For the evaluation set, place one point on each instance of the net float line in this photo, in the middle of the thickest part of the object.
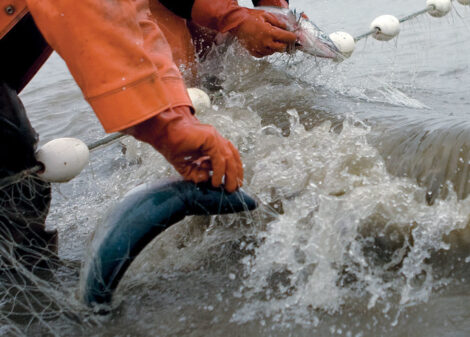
(387, 27)
(62, 159)
(59, 164)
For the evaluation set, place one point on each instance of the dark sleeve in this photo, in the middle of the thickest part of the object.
(179, 7)
(255, 2)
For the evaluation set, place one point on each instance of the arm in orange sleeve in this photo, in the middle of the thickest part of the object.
(119, 60)
(261, 33)
(122, 62)
(193, 148)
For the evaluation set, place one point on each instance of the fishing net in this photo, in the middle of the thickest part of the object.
(320, 237)
(39, 289)
(36, 287)
(34, 283)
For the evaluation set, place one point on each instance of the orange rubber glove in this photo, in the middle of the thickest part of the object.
(261, 33)
(194, 149)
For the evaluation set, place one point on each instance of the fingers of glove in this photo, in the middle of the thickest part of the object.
(225, 162)
(264, 51)
(231, 176)
(218, 168)
(283, 36)
(203, 161)
(191, 171)
(275, 20)
(197, 175)
(271, 49)
(257, 54)
(214, 147)
(277, 47)
(261, 49)
(200, 169)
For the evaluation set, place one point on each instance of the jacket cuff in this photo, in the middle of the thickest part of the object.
(177, 92)
(136, 102)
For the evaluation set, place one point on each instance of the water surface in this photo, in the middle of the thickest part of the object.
(362, 172)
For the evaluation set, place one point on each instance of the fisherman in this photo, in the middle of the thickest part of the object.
(191, 28)
(121, 54)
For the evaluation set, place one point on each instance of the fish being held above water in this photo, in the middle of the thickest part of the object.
(310, 39)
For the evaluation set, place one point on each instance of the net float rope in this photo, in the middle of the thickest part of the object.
(138, 218)
(55, 169)
(387, 27)
(62, 159)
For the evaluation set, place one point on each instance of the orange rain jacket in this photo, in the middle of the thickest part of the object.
(11, 11)
(117, 54)
(117, 51)
(23, 50)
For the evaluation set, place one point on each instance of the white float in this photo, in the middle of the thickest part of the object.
(386, 26)
(344, 42)
(63, 159)
(200, 99)
(464, 2)
(440, 7)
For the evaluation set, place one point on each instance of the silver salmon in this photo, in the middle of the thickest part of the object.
(310, 39)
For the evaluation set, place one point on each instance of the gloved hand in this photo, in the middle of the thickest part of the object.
(194, 149)
(261, 33)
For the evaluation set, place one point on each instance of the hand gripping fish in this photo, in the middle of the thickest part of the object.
(310, 39)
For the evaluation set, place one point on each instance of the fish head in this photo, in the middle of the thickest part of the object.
(310, 39)
(314, 41)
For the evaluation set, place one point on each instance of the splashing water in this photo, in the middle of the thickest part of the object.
(346, 242)
(347, 231)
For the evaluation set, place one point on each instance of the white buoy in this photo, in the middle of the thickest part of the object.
(344, 42)
(464, 2)
(440, 7)
(63, 159)
(200, 99)
(386, 26)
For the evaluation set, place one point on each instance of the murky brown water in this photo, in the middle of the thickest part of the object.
(361, 167)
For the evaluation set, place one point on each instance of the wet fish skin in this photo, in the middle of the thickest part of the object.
(310, 39)
(142, 215)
